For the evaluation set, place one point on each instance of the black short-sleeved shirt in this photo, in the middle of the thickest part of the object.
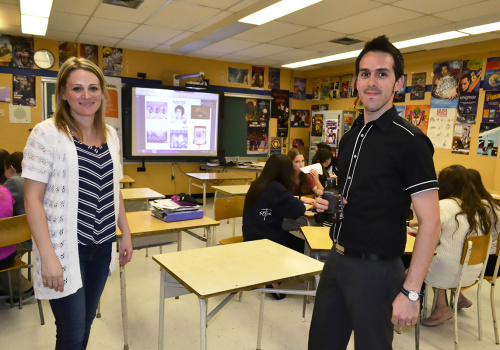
(380, 165)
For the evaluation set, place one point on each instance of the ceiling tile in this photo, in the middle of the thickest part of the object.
(307, 37)
(178, 38)
(135, 45)
(410, 26)
(206, 52)
(152, 34)
(262, 50)
(97, 40)
(325, 46)
(108, 27)
(220, 4)
(10, 15)
(234, 58)
(211, 21)
(270, 31)
(433, 6)
(471, 11)
(66, 22)
(241, 5)
(85, 8)
(63, 36)
(292, 55)
(327, 11)
(181, 16)
(10, 2)
(10, 29)
(371, 19)
(230, 45)
(124, 14)
(263, 62)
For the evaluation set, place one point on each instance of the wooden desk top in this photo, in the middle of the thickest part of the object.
(127, 179)
(247, 168)
(318, 238)
(232, 190)
(219, 176)
(235, 267)
(134, 194)
(141, 223)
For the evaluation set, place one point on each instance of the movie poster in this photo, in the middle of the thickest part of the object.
(440, 128)
(418, 81)
(461, 139)
(349, 117)
(273, 81)
(276, 143)
(317, 127)
(401, 110)
(470, 78)
(66, 50)
(334, 88)
(467, 107)
(314, 108)
(325, 90)
(418, 115)
(22, 52)
(89, 52)
(237, 76)
(400, 96)
(23, 90)
(258, 77)
(251, 109)
(323, 107)
(331, 132)
(445, 84)
(279, 110)
(492, 74)
(300, 118)
(257, 138)
(491, 109)
(488, 139)
(316, 94)
(345, 85)
(299, 88)
(112, 61)
(5, 50)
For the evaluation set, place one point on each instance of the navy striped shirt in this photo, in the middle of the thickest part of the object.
(96, 210)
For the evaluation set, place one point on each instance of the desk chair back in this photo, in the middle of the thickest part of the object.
(228, 207)
(492, 281)
(15, 230)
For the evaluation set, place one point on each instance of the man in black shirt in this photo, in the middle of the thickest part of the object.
(384, 165)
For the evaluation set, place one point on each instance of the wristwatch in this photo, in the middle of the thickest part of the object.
(410, 294)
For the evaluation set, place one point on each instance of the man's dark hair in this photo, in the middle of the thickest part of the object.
(465, 75)
(382, 44)
(323, 145)
(14, 160)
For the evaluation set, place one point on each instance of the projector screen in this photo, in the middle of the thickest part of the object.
(165, 122)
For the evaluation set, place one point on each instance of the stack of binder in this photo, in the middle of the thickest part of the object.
(169, 211)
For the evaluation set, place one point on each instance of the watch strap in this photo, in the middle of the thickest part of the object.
(406, 292)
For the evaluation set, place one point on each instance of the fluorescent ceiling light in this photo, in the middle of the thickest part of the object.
(277, 10)
(34, 25)
(337, 57)
(39, 8)
(429, 39)
(485, 28)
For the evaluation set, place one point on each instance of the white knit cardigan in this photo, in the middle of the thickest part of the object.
(50, 157)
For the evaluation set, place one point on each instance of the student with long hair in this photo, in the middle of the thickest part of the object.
(462, 214)
(3, 156)
(494, 214)
(324, 157)
(303, 184)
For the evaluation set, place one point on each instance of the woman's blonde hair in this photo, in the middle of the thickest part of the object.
(62, 116)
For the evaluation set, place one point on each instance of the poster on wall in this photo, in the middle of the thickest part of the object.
(5, 94)
(491, 109)
(300, 118)
(5, 50)
(331, 129)
(314, 108)
(299, 88)
(251, 109)
(66, 50)
(400, 96)
(317, 127)
(276, 143)
(263, 109)
(237, 76)
(401, 110)
(279, 110)
(22, 52)
(257, 110)
(112, 59)
(445, 84)
(470, 78)
(461, 139)
(488, 139)
(418, 115)
(325, 89)
(440, 129)
(323, 107)
(418, 86)
(89, 52)
(492, 74)
(316, 94)
(257, 138)
(23, 90)
(258, 77)
(349, 117)
(273, 81)
(467, 107)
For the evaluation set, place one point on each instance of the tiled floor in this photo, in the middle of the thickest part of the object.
(235, 327)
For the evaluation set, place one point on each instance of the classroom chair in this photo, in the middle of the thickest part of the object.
(15, 230)
(492, 281)
(475, 252)
(229, 208)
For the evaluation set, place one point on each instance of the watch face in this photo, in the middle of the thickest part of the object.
(413, 296)
(44, 59)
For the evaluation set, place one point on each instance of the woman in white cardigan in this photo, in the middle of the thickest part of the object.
(71, 168)
(462, 214)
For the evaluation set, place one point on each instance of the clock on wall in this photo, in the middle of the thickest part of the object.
(44, 59)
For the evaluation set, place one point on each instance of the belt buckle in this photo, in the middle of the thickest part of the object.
(339, 249)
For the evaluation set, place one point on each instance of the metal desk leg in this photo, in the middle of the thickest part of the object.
(261, 317)
(123, 291)
(203, 324)
(162, 310)
(210, 236)
(204, 197)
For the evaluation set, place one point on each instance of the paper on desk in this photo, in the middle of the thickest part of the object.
(316, 166)
(260, 164)
(169, 204)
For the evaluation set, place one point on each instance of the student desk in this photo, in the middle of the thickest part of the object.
(204, 178)
(127, 180)
(140, 194)
(231, 190)
(148, 231)
(245, 168)
(231, 268)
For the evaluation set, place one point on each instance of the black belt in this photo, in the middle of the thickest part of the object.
(363, 256)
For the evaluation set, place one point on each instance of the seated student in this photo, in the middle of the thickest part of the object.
(3, 156)
(303, 184)
(14, 182)
(324, 157)
(324, 145)
(462, 214)
(493, 213)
